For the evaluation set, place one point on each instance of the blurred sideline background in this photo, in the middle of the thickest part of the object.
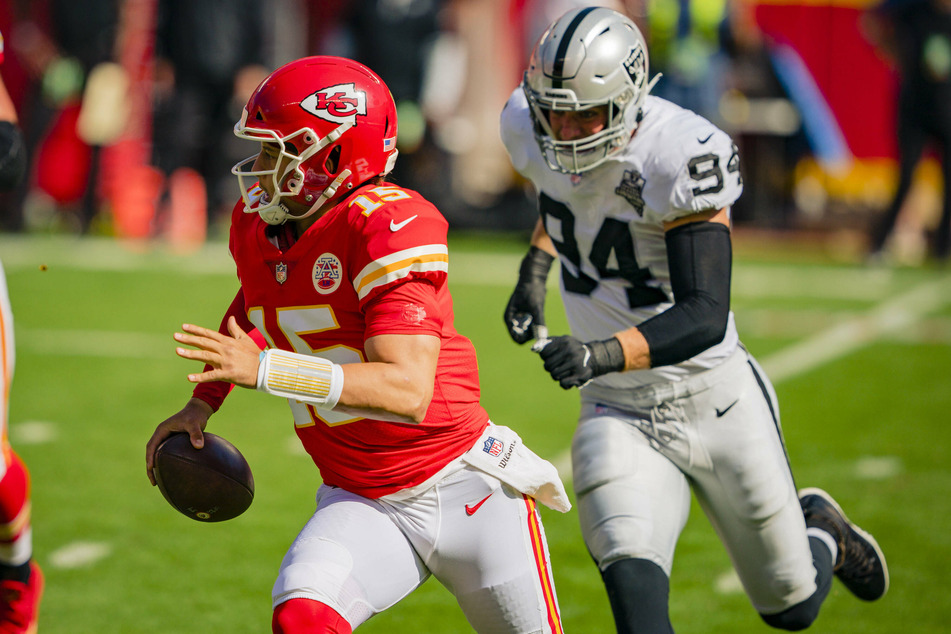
(128, 107)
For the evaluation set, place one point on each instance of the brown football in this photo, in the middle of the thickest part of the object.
(211, 484)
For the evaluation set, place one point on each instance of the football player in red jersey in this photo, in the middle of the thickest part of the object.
(344, 286)
(21, 580)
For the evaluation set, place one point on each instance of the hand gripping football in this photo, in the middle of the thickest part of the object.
(211, 484)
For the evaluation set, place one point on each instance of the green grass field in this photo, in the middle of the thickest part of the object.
(861, 359)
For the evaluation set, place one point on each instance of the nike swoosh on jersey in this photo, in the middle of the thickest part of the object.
(470, 510)
(721, 412)
(396, 226)
(702, 141)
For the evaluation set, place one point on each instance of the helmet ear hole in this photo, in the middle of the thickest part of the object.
(333, 160)
(390, 127)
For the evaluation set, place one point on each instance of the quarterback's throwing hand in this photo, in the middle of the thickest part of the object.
(574, 364)
(232, 358)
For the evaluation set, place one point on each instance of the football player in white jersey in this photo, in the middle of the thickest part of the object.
(634, 197)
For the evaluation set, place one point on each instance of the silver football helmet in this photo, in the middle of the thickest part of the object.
(587, 58)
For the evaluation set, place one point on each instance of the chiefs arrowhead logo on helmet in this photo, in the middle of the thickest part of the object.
(337, 104)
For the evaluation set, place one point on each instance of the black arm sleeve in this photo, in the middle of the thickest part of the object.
(12, 156)
(700, 257)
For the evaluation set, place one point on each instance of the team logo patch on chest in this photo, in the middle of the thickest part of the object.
(327, 273)
(631, 189)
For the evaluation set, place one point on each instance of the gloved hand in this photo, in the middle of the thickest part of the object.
(525, 312)
(574, 364)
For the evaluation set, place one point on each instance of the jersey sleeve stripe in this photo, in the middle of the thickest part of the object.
(432, 257)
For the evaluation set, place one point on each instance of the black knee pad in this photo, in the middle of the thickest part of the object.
(639, 592)
(801, 615)
(798, 617)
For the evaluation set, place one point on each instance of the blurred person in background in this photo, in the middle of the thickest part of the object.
(916, 35)
(396, 38)
(210, 55)
(634, 197)
(685, 41)
(21, 580)
(60, 42)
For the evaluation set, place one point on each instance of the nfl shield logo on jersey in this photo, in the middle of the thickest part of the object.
(327, 273)
(493, 446)
(280, 273)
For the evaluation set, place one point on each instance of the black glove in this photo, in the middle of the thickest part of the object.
(525, 312)
(573, 363)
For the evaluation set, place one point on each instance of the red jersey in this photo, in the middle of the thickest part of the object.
(375, 264)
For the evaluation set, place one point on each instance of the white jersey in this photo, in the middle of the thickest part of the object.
(608, 224)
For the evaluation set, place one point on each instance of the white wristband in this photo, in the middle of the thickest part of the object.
(313, 380)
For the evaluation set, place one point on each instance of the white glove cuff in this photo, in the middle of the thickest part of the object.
(309, 379)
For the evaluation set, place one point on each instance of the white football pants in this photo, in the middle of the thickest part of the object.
(480, 538)
(718, 434)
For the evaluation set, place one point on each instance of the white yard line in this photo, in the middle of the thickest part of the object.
(839, 340)
(79, 554)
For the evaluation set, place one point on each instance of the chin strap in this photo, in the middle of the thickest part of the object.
(331, 190)
(327, 194)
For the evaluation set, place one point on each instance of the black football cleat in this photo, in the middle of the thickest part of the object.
(860, 564)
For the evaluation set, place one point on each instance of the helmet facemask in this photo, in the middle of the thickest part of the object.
(578, 155)
(292, 176)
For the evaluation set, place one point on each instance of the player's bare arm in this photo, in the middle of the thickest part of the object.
(396, 384)
(721, 216)
(540, 239)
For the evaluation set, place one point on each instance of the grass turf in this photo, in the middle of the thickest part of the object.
(96, 371)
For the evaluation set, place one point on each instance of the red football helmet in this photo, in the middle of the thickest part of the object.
(334, 121)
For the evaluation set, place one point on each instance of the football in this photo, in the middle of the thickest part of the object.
(211, 484)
